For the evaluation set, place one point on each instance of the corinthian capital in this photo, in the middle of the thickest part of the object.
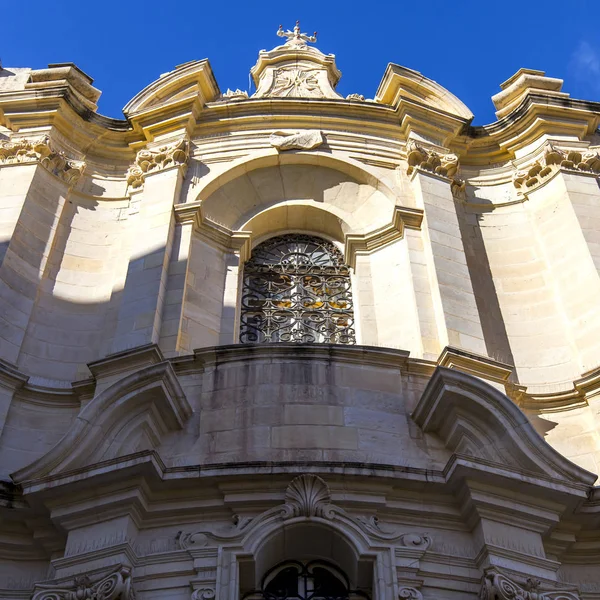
(418, 157)
(40, 150)
(154, 160)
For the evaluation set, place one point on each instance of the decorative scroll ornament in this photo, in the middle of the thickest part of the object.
(496, 586)
(409, 593)
(302, 140)
(295, 39)
(116, 586)
(307, 496)
(445, 165)
(56, 162)
(553, 160)
(204, 594)
(297, 289)
(149, 161)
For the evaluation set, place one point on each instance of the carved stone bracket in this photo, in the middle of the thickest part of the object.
(553, 160)
(302, 140)
(40, 150)
(152, 161)
(116, 586)
(496, 586)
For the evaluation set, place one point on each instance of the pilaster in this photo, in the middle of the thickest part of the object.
(457, 318)
(157, 177)
(48, 177)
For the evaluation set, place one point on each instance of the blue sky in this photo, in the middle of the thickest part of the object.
(469, 47)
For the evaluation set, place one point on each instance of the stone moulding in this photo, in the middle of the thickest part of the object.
(496, 586)
(553, 160)
(150, 161)
(116, 586)
(24, 151)
(356, 244)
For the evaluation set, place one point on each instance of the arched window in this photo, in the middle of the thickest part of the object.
(314, 580)
(297, 289)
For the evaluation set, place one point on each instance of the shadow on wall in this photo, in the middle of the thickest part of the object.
(486, 298)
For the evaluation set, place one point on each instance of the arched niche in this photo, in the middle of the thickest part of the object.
(308, 541)
(361, 205)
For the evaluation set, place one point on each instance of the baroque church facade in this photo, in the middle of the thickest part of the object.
(291, 345)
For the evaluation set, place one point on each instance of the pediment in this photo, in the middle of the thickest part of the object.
(472, 417)
(131, 415)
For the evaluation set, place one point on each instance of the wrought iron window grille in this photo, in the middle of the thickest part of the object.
(296, 288)
(314, 580)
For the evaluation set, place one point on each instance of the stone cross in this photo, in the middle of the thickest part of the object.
(295, 38)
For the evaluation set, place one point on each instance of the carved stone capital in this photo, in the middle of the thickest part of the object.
(418, 157)
(157, 159)
(553, 160)
(496, 586)
(115, 586)
(40, 150)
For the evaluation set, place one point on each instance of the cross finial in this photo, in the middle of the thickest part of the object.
(295, 38)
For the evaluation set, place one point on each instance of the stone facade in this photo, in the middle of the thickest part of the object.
(450, 453)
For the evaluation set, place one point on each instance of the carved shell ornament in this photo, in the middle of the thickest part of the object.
(307, 496)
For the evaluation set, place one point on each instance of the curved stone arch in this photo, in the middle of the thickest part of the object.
(271, 158)
(244, 549)
(149, 403)
(296, 217)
